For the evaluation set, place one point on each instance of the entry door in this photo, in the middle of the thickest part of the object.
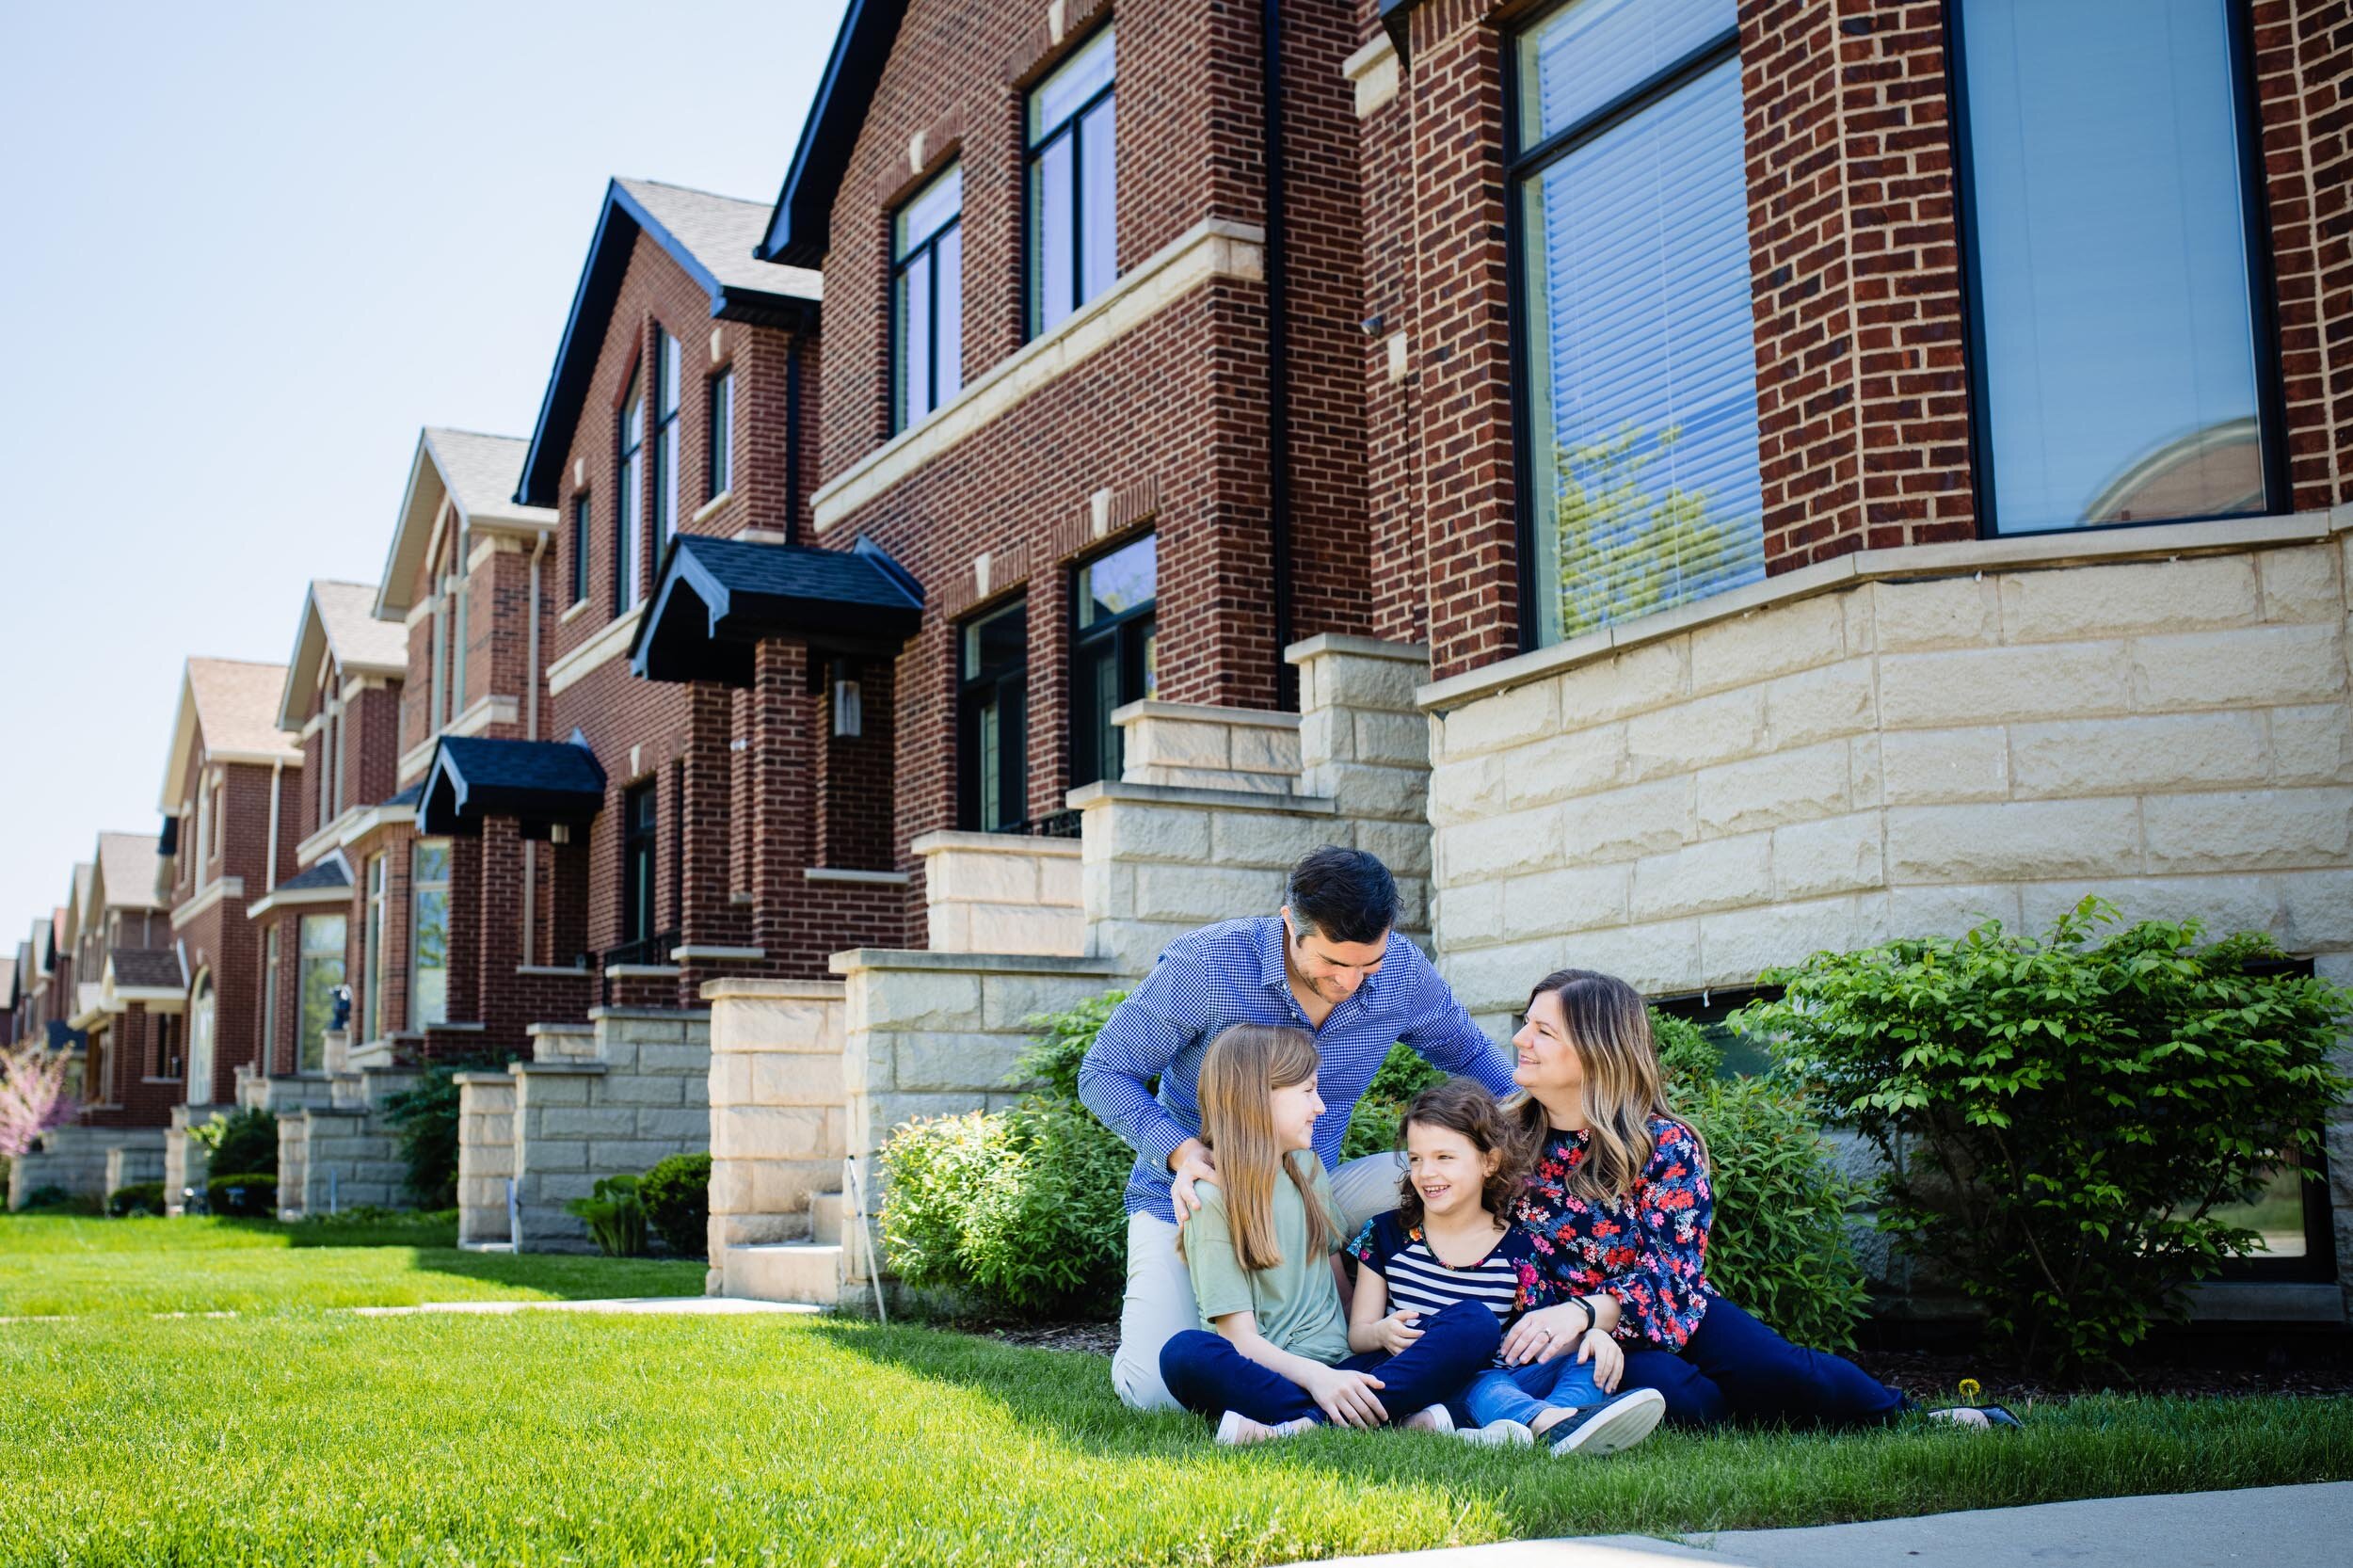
(201, 1044)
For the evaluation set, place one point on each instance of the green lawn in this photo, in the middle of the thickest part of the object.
(59, 1265)
(301, 1437)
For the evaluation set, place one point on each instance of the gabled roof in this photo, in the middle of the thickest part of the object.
(476, 474)
(228, 707)
(145, 970)
(127, 866)
(40, 949)
(85, 873)
(715, 599)
(799, 227)
(339, 623)
(712, 239)
(541, 782)
(8, 984)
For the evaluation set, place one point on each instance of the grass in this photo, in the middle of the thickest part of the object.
(59, 1265)
(299, 1436)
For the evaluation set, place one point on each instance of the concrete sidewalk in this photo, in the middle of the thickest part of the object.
(2297, 1525)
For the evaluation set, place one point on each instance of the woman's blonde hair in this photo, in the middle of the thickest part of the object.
(1242, 1068)
(1609, 1028)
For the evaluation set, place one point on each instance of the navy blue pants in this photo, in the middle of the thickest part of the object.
(1735, 1368)
(1207, 1374)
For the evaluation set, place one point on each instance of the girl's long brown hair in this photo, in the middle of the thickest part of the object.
(1464, 1105)
(1610, 1030)
(1239, 1073)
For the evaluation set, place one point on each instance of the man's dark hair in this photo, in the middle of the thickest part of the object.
(1343, 895)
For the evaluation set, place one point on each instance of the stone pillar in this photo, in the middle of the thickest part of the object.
(1192, 746)
(1003, 892)
(1365, 745)
(776, 1110)
(486, 1157)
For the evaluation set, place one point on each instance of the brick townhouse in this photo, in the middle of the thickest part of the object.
(127, 980)
(231, 787)
(8, 997)
(1057, 400)
(679, 418)
(472, 575)
(341, 910)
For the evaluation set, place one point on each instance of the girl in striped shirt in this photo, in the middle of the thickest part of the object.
(1451, 1240)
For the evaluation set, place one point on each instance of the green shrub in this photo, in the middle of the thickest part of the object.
(616, 1220)
(1052, 1060)
(139, 1197)
(426, 1119)
(51, 1198)
(677, 1198)
(251, 1194)
(1372, 1125)
(244, 1140)
(2061, 1116)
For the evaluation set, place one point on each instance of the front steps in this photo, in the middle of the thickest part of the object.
(811, 1272)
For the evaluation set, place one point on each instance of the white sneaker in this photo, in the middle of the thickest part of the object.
(1612, 1425)
(1235, 1428)
(1430, 1418)
(1499, 1435)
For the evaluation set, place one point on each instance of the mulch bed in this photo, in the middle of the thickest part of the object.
(1928, 1376)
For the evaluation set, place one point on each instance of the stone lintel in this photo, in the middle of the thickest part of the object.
(918, 959)
(773, 990)
(1122, 792)
(952, 841)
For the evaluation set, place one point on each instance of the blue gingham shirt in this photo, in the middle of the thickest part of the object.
(1232, 973)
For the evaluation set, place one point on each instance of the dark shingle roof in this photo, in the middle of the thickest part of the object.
(143, 969)
(328, 872)
(798, 228)
(537, 781)
(718, 597)
(409, 796)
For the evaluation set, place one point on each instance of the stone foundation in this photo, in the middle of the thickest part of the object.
(84, 1161)
(1003, 892)
(486, 1158)
(186, 1163)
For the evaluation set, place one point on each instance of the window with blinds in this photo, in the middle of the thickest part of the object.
(1637, 336)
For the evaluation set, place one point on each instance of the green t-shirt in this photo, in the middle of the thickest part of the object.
(1297, 1302)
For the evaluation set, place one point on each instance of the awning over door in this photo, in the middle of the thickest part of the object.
(717, 599)
(543, 783)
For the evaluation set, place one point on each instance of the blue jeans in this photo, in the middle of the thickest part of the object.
(1523, 1393)
(1209, 1375)
(1734, 1367)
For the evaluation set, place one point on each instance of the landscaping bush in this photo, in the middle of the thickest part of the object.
(427, 1117)
(1372, 1126)
(251, 1194)
(676, 1195)
(241, 1141)
(139, 1197)
(51, 1198)
(616, 1220)
(2061, 1116)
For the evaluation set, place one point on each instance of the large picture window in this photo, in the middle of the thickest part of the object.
(1113, 654)
(927, 298)
(319, 972)
(992, 775)
(2114, 270)
(1073, 194)
(628, 498)
(1637, 421)
(428, 933)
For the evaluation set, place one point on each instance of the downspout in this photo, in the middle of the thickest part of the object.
(1277, 355)
(531, 732)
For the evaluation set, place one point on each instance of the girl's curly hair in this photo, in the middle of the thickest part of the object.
(1464, 1105)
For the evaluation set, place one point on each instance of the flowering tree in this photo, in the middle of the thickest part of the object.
(33, 1097)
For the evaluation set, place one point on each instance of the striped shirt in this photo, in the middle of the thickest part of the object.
(1506, 1282)
(1233, 974)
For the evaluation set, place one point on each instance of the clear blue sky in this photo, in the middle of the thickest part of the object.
(251, 248)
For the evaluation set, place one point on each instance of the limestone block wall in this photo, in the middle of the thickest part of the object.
(485, 1156)
(78, 1159)
(779, 1109)
(342, 1159)
(1846, 754)
(1190, 745)
(1001, 892)
(185, 1160)
(645, 1096)
(137, 1158)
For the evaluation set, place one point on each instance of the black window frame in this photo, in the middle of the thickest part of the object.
(1128, 633)
(928, 246)
(719, 434)
(641, 832)
(1009, 685)
(629, 463)
(1033, 238)
(1521, 164)
(666, 438)
(2262, 289)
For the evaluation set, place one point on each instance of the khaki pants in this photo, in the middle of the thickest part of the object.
(1159, 1303)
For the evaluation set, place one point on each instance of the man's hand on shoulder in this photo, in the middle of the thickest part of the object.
(1188, 1162)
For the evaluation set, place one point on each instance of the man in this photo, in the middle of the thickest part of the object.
(1331, 963)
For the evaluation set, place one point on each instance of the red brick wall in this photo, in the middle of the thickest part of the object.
(2304, 85)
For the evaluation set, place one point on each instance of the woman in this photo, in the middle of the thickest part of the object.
(1620, 1204)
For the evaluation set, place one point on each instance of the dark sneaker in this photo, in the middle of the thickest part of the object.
(1612, 1425)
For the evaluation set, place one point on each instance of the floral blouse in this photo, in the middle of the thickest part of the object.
(1650, 1251)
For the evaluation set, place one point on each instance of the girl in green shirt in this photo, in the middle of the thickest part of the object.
(1270, 1358)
